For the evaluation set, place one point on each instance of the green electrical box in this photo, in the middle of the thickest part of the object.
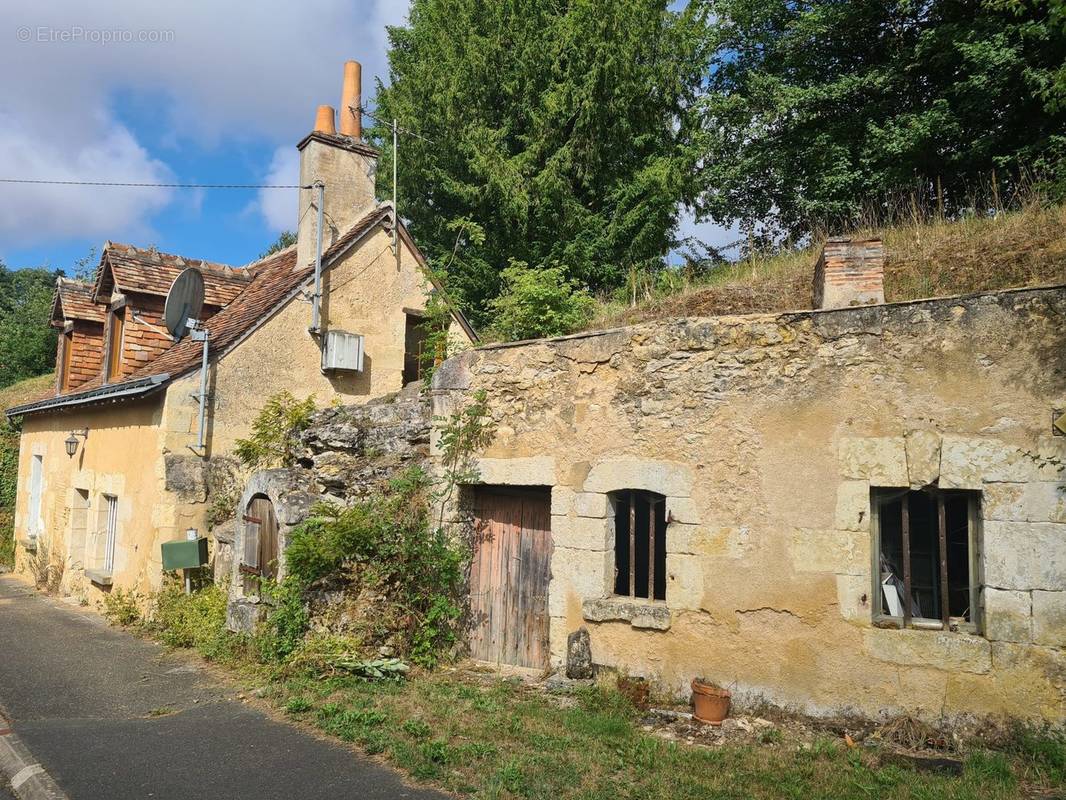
(184, 554)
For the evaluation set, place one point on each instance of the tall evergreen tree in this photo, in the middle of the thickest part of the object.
(27, 342)
(554, 134)
(817, 107)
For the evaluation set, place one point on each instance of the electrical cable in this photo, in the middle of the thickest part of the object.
(159, 185)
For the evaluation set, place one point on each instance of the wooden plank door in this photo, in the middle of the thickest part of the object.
(260, 556)
(509, 576)
(268, 536)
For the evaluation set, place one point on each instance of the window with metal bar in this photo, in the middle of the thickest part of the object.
(926, 564)
(110, 532)
(640, 544)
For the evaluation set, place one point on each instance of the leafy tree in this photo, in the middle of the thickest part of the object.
(557, 129)
(285, 239)
(814, 108)
(27, 342)
(538, 302)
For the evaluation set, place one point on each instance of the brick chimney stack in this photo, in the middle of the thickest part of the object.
(340, 160)
(850, 272)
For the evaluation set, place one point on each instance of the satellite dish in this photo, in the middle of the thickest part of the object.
(185, 301)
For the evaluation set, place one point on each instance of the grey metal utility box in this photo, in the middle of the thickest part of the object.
(342, 351)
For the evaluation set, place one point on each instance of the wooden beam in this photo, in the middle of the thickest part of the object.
(942, 525)
(906, 528)
(632, 544)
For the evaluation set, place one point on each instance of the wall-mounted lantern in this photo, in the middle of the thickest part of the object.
(72, 441)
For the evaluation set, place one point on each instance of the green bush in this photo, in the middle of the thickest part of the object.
(196, 620)
(7, 538)
(122, 607)
(271, 441)
(389, 542)
(539, 302)
(283, 632)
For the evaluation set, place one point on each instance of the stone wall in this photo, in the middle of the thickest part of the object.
(766, 434)
(345, 454)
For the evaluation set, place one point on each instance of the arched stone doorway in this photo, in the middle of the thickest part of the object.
(259, 555)
(274, 501)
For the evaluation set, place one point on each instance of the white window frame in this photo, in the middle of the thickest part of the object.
(110, 532)
(36, 495)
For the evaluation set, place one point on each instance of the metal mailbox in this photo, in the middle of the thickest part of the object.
(185, 554)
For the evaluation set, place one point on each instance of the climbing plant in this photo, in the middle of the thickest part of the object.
(272, 442)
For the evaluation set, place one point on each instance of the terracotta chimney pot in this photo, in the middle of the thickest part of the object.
(324, 120)
(351, 100)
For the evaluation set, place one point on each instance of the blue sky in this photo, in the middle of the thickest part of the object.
(191, 93)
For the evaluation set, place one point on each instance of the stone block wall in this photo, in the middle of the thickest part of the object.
(766, 434)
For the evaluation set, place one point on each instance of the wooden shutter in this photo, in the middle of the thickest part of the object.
(114, 357)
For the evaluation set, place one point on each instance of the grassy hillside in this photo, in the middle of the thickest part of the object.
(1026, 247)
(12, 395)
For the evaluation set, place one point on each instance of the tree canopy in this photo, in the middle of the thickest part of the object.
(815, 110)
(27, 342)
(554, 134)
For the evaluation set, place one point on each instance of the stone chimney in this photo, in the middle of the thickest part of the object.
(850, 272)
(343, 163)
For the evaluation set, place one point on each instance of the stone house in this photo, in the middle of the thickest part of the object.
(145, 459)
(858, 508)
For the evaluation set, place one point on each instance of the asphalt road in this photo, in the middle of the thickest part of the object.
(109, 715)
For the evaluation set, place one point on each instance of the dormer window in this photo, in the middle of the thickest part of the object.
(116, 325)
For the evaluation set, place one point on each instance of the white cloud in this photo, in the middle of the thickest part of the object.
(217, 71)
(279, 206)
(39, 212)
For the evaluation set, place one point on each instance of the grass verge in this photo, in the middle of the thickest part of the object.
(492, 738)
(499, 739)
(930, 258)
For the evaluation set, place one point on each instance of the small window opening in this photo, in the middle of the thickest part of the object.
(416, 336)
(114, 341)
(927, 552)
(640, 544)
(110, 510)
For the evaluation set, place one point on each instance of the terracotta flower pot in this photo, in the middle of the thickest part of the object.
(711, 702)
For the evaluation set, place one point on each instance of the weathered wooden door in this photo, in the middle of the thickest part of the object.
(260, 556)
(509, 576)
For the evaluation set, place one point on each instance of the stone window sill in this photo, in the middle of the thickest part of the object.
(653, 615)
(99, 576)
(923, 624)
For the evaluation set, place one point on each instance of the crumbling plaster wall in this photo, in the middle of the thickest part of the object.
(766, 433)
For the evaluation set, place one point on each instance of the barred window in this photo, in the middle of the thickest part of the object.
(640, 544)
(928, 570)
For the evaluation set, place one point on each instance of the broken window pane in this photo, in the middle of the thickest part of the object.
(640, 543)
(909, 537)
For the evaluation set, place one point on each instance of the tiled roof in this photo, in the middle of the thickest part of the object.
(270, 282)
(74, 300)
(136, 269)
(276, 277)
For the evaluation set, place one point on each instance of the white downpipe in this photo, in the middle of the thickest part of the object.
(199, 334)
(317, 297)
